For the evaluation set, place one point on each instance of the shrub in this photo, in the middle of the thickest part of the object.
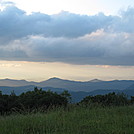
(110, 99)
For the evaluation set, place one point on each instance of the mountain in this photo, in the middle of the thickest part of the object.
(129, 91)
(86, 86)
(17, 90)
(15, 83)
(76, 95)
(95, 80)
(130, 87)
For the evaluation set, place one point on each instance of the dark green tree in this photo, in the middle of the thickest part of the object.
(67, 95)
(110, 99)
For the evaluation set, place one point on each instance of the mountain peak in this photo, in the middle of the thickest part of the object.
(95, 80)
(54, 78)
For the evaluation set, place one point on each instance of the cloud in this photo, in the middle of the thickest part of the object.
(9, 65)
(6, 3)
(98, 48)
(125, 22)
(15, 23)
(67, 37)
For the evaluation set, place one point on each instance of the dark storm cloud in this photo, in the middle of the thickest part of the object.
(99, 48)
(67, 37)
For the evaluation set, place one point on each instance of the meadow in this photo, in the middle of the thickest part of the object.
(72, 120)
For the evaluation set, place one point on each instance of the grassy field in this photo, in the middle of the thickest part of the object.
(76, 120)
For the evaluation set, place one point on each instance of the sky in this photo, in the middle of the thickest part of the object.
(69, 39)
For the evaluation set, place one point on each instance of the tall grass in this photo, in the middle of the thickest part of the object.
(75, 120)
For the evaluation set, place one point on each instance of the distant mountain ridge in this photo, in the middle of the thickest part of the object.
(76, 95)
(86, 86)
(15, 83)
(95, 80)
(78, 89)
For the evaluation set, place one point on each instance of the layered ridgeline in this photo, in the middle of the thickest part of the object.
(78, 89)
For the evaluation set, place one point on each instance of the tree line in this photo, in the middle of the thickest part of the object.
(110, 99)
(32, 100)
(39, 99)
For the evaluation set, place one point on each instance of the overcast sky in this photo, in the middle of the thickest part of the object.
(83, 33)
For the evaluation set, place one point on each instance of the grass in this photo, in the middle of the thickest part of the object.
(76, 120)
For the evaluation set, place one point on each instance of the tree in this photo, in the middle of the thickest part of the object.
(67, 95)
(12, 93)
(41, 99)
(0, 93)
(31, 100)
(110, 99)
